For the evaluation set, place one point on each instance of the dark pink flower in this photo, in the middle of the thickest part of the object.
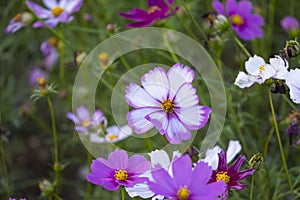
(118, 170)
(246, 24)
(157, 10)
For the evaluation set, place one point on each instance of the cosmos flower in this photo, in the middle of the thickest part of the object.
(289, 23)
(292, 80)
(113, 134)
(157, 157)
(49, 51)
(56, 12)
(185, 182)
(231, 175)
(280, 66)
(36, 73)
(118, 170)
(168, 102)
(246, 24)
(84, 123)
(212, 158)
(157, 10)
(20, 20)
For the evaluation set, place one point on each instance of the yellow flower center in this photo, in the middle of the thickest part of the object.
(56, 11)
(183, 193)
(152, 9)
(41, 82)
(261, 69)
(103, 58)
(85, 123)
(237, 20)
(112, 137)
(53, 41)
(18, 17)
(121, 175)
(167, 105)
(222, 176)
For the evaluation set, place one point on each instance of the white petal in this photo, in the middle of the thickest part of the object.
(95, 138)
(50, 4)
(138, 97)
(179, 74)
(136, 119)
(211, 157)
(159, 157)
(141, 190)
(156, 83)
(267, 72)
(292, 80)
(243, 80)
(186, 96)
(159, 120)
(280, 65)
(234, 147)
(176, 132)
(253, 64)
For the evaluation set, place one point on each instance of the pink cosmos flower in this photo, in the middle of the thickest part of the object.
(36, 73)
(56, 12)
(246, 24)
(118, 170)
(50, 53)
(20, 20)
(157, 10)
(168, 102)
(289, 23)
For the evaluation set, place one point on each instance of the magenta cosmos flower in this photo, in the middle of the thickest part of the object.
(231, 175)
(168, 102)
(289, 23)
(118, 170)
(157, 10)
(246, 24)
(84, 122)
(56, 12)
(186, 183)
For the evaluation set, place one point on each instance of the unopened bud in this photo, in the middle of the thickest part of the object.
(256, 161)
(46, 187)
(110, 28)
(103, 58)
(292, 49)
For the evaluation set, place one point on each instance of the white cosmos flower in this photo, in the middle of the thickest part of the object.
(157, 157)
(292, 80)
(244, 80)
(114, 134)
(280, 66)
(212, 159)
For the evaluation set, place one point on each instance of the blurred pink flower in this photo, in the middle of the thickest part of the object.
(34, 74)
(20, 20)
(289, 23)
(50, 53)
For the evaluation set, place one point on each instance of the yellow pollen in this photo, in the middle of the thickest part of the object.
(261, 68)
(18, 17)
(121, 175)
(152, 9)
(53, 41)
(183, 193)
(85, 123)
(167, 105)
(112, 137)
(56, 11)
(222, 176)
(237, 20)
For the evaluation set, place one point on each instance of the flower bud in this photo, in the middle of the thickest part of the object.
(46, 187)
(292, 49)
(193, 152)
(256, 161)
(110, 28)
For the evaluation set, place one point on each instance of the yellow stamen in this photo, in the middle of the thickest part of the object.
(222, 176)
(183, 193)
(167, 105)
(261, 68)
(112, 137)
(53, 41)
(56, 11)
(41, 82)
(152, 9)
(18, 17)
(121, 175)
(85, 123)
(237, 20)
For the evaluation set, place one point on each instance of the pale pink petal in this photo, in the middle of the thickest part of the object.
(176, 132)
(160, 120)
(118, 159)
(186, 96)
(136, 119)
(38, 10)
(50, 3)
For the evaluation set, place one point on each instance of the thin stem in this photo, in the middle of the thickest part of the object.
(122, 192)
(61, 48)
(252, 187)
(280, 144)
(266, 146)
(170, 50)
(56, 161)
(3, 160)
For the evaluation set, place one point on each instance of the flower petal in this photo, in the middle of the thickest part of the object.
(176, 132)
(222, 166)
(253, 64)
(186, 96)
(73, 5)
(236, 165)
(139, 189)
(83, 113)
(211, 157)
(138, 164)
(210, 190)
(159, 157)
(38, 10)
(200, 177)
(233, 149)
(118, 159)
(50, 4)
(182, 171)
(243, 80)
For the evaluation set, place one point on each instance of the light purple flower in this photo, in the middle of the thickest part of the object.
(157, 10)
(168, 102)
(246, 24)
(56, 12)
(113, 134)
(11, 198)
(231, 175)
(118, 170)
(84, 122)
(185, 182)
(289, 23)
(50, 53)
(36, 73)
(20, 20)
(292, 80)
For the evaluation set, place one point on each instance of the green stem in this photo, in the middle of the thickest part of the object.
(89, 185)
(3, 160)
(122, 192)
(170, 50)
(252, 187)
(56, 161)
(266, 146)
(280, 144)
(61, 48)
